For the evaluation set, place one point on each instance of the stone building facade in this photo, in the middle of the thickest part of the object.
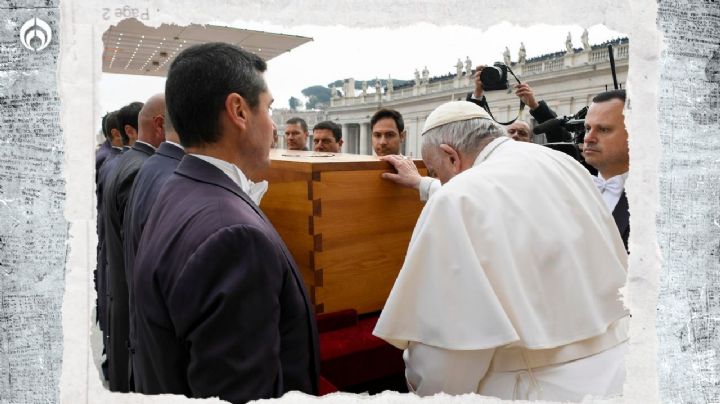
(566, 80)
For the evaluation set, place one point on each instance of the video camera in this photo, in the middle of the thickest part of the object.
(575, 124)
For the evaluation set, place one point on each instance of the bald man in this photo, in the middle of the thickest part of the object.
(520, 131)
(149, 136)
(146, 187)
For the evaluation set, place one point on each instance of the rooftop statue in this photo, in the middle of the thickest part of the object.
(585, 41)
(521, 53)
(568, 44)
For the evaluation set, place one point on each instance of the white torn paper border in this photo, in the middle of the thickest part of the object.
(83, 23)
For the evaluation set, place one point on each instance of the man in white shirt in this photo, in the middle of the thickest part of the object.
(472, 312)
(606, 149)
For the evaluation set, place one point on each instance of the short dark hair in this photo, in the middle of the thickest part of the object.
(335, 128)
(298, 121)
(111, 122)
(102, 126)
(610, 95)
(199, 81)
(128, 115)
(388, 113)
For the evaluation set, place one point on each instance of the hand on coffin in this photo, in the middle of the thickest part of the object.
(407, 174)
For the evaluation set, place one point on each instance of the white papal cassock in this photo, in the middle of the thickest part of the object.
(510, 284)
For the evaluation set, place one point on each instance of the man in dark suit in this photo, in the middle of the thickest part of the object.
(115, 196)
(148, 182)
(542, 112)
(606, 149)
(112, 144)
(111, 128)
(538, 109)
(220, 306)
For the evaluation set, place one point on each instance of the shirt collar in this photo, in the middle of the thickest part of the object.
(178, 145)
(147, 144)
(253, 190)
(490, 148)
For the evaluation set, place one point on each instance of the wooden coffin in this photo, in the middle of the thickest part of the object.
(346, 227)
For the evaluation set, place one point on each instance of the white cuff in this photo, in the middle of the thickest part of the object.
(427, 187)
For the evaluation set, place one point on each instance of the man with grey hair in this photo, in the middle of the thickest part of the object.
(473, 313)
(520, 131)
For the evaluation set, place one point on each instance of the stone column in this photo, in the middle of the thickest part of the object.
(364, 139)
(345, 137)
(412, 139)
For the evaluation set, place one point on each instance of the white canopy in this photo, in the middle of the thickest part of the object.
(131, 47)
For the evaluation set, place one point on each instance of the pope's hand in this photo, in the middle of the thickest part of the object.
(407, 174)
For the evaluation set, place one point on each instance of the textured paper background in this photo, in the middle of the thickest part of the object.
(33, 230)
(671, 100)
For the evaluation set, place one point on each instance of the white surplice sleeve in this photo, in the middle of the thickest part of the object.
(430, 370)
(427, 187)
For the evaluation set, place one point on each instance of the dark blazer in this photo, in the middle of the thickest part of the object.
(220, 306)
(115, 197)
(101, 178)
(543, 113)
(621, 214)
(102, 153)
(148, 182)
(482, 102)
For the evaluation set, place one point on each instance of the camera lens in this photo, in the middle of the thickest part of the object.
(490, 75)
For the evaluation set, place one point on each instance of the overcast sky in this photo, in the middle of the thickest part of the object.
(338, 53)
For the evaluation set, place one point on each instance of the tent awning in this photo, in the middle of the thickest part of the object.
(131, 47)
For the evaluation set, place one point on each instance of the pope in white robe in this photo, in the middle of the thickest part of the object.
(510, 286)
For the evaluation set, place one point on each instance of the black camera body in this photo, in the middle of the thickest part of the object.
(577, 128)
(494, 77)
(576, 125)
(573, 124)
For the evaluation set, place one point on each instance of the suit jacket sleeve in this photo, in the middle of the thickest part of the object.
(543, 113)
(225, 308)
(482, 102)
(122, 198)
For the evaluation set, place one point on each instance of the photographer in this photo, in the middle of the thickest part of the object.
(541, 112)
(477, 96)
